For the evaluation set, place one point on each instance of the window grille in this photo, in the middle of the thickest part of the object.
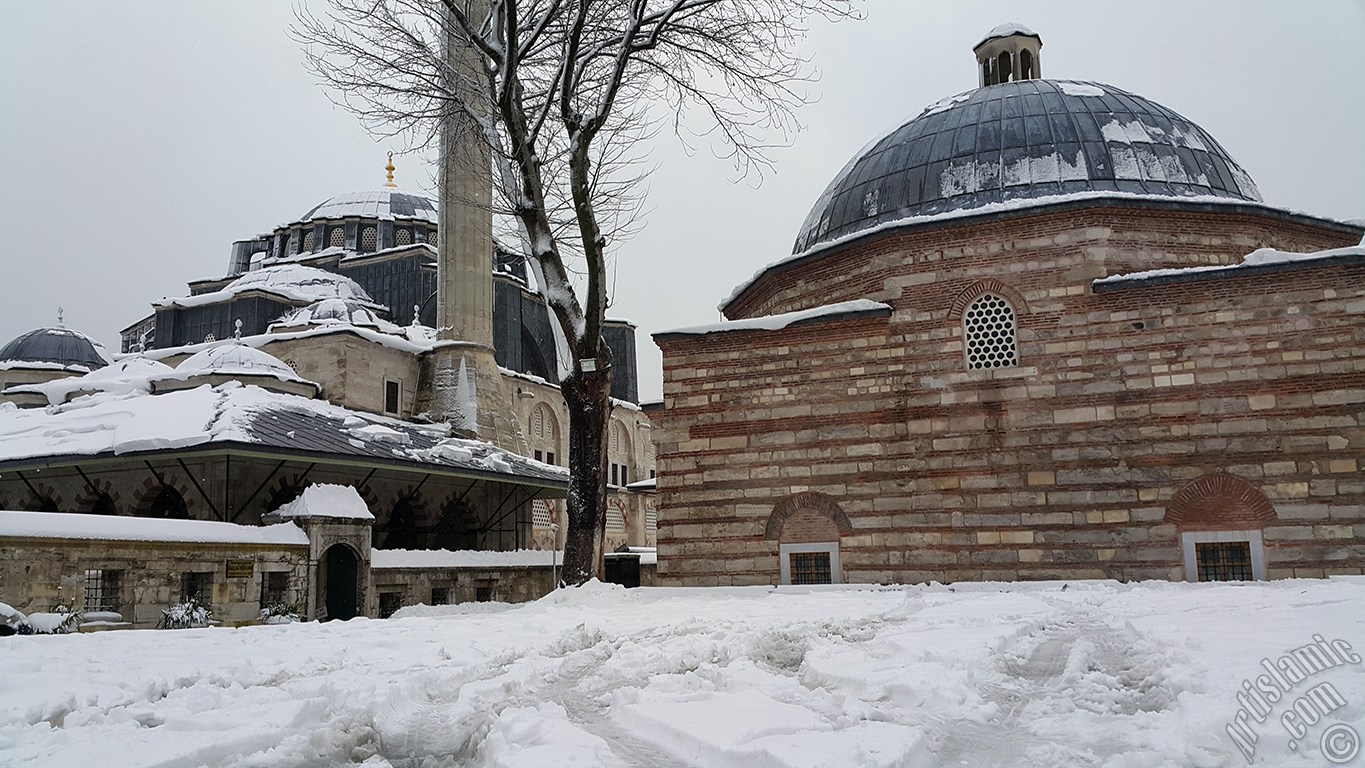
(616, 521)
(389, 603)
(811, 568)
(431, 237)
(651, 519)
(101, 590)
(540, 514)
(1224, 561)
(197, 587)
(402, 237)
(368, 237)
(274, 588)
(308, 241)
(988, 328)
(338, 237)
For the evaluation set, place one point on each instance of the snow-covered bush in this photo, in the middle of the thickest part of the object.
(280, 613)
(13, 621)
(186, 615)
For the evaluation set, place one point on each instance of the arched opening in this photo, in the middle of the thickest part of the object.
(618, 454)
(44, 504)
(990, 333)
(1025, 65)
(807, 527)
(986, 73)
(169, 504)
(1005, 67)
(340, 577)
(1220, 518)
(402, 530)
(103, 505)
(544, 435)
(456, 529)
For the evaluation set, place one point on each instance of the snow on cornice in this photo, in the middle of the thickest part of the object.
(292, 282)
(783, 320)
(1263, 257)
(64, 525)
(1004, 207)
(444, 558)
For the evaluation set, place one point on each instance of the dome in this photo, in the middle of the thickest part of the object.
(300, 283)
(384, 203)
(1021, 141)
(55, 347)
(336, 312)
(236, 360)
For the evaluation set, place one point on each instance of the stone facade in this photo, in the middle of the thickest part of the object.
(1113, 437)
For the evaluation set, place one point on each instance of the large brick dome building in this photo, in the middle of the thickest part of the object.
(1046, 329)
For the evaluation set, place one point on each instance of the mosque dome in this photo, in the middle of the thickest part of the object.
(335, 312)
(300, 283)
(55, 348)
(236, 360)
(385, 203)
(1023, 142)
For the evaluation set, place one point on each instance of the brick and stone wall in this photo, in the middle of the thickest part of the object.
(1068, 465)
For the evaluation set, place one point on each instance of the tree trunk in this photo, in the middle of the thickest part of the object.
(588, 397)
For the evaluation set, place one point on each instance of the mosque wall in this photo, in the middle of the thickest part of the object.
(1136, 421)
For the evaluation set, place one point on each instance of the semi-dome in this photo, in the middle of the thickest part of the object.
(384, 203)
(55, 348)
(1019, 142)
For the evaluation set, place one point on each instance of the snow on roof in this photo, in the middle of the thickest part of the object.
(1005, 30)
(233, 359)
(783, 320)
(327, 500)
(237, 413)
(465, 558)
(1019, 204)
(1258, 258)
(412, 339)
(642, 485)
(130, 374)
(62, 525)
(336, 312)
(293, 282)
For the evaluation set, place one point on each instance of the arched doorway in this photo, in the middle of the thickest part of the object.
(339, 576)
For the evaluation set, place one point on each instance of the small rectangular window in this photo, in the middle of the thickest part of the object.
(102, 590)
(483, 594)
(614, 474)
(1224, 561)
(391, 392)
(540, 456)
(810, 568)
(440, 595)
(389, 603)
(625, 475)
(549, 457)
(196, 586)
(274, 588)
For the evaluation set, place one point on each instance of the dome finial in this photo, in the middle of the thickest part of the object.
(60, 324)
(390, 170)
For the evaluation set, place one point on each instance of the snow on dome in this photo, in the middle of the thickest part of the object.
(385, 203)
(1020, 141)
(234, 359)
(326, 500)
(55, 348)
(131, 374)
(336, 312)
(1005, 30)
(294, 282)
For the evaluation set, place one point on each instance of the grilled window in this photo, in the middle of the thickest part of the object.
(338, 237)
(402, 237)
(274, 588)
(196, 586)
(811, 568)
(389, 603)
(102, 590)
(391, 400)
(368, 237)
(989, 331)
(1224, 561)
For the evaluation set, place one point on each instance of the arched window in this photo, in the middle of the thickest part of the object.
(618, 453)
(989, 333)
(402, 237)
(368, 238)
(1025, 65)
(544, 429)
(431, 237)
(402, 531)
(104, 505)
(169, 504)
(616, 516)
(308, 241)
(338, 237)
(1006, 67)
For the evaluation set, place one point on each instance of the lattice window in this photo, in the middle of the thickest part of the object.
(402, 237)
(540, 514)
(308, 240)
(197, 587)
(811, 568)
(616, 520)
(1224, 561)
(368, 238)
(338, 237)
(431, 237)
(989, 330)
(651, 518)
(102, 590)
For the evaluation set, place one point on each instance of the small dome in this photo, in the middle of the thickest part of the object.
(55, 347)
(235, 360)
(300, 283)
(1018, 141)
(336, 312)
(384, 203)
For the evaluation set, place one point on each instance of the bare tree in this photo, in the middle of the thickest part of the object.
(559, 94)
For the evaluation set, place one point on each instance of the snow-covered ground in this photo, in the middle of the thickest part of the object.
(1090, 674)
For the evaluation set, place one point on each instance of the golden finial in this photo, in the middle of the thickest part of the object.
(390, 169)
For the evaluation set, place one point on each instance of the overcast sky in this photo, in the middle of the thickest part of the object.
(139, 139)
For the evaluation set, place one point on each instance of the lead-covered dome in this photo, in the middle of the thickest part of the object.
(55, 348)
(1023, 141)
(385, 203)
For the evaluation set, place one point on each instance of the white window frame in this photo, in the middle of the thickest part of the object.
(1190, 539)
(785, 551)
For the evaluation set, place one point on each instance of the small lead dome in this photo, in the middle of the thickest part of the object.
(1020, 141)
(55, 347)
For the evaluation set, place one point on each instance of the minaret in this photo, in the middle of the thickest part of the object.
(465, 388)
(1009, 52)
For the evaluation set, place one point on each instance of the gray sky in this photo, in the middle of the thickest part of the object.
(139, 139)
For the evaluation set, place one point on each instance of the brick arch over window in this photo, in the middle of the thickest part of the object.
(1219, 501)
(43, 498)
(811, 501)
(99, 497)
(980, 288)
(146, 495)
